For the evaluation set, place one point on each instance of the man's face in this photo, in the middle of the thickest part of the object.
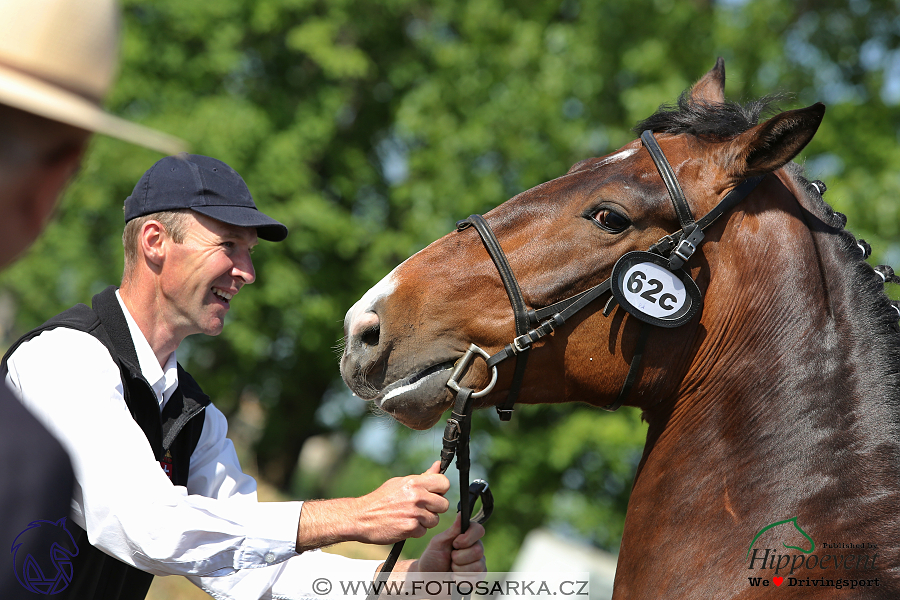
(201, 275)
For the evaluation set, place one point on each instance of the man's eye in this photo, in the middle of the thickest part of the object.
(610, 220)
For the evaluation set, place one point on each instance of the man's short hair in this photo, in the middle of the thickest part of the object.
(175, 222)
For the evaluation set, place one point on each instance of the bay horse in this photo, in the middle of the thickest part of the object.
(772, 457)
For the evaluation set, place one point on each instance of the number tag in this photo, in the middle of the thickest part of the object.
(644, 286)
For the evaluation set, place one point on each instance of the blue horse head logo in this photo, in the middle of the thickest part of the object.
(43, 555)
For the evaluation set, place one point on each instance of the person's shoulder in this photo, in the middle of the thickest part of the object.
(65, 337)
(52, 346)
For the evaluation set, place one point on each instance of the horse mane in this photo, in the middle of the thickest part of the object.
(705, 119)
(865, 304)
(871, 307)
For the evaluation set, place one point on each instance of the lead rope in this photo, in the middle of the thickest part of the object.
(455, 442)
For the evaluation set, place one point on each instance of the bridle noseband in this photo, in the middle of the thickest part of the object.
(666, 257)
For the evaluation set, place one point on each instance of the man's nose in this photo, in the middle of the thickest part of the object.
(243, 268)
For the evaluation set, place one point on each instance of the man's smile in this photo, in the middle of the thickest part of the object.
(223, 295)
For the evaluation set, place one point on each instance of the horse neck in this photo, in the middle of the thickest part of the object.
(789, 409)
(785, 342)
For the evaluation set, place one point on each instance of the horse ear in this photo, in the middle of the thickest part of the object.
(711, 87)
(770, 145)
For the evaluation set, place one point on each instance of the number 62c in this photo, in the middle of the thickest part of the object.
(636, 282)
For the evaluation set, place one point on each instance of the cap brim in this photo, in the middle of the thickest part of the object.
(22, 91)
(267, 228)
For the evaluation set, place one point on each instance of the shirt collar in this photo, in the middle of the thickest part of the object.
(163, 380)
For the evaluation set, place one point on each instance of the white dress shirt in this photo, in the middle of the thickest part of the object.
(214, 530)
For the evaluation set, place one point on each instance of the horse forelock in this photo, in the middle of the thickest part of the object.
(706, 119)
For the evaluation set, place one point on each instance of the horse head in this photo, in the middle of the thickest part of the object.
(564, 237)
(771, 395)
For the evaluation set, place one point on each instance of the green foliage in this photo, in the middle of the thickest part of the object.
(370, 128)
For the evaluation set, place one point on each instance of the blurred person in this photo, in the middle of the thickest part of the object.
(159, 488)
(57, 60)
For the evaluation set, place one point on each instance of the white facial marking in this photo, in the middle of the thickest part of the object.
(616, 157)
(383, 288)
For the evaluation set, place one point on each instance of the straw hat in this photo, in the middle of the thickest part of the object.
(58, 59)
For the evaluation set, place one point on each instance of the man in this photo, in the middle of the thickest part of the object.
(57, 59)
(107, 381)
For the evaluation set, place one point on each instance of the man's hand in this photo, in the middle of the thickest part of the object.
(452, 551)
(403, 507)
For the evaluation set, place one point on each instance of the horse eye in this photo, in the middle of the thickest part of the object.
(610, 220)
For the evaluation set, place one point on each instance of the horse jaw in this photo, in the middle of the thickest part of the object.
(418, 405)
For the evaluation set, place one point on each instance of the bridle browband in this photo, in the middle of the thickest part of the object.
(532, 325)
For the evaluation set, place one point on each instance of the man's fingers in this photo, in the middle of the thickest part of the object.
(471, 537)
(468, 553)
(434, 469)
(435, 504)
(470, 562)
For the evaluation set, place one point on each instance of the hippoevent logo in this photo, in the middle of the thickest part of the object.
(43, 554)
(804, 567)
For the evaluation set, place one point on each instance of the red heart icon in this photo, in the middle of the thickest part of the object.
(778, 580)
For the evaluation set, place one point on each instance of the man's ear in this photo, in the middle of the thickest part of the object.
(153, 242)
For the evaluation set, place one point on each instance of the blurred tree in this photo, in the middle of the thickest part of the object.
(369, 128)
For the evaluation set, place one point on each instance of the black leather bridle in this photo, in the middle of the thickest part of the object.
(671, 252)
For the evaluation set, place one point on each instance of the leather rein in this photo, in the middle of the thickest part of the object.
(455, 443)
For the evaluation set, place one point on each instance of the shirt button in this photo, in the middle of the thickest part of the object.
(270, 558)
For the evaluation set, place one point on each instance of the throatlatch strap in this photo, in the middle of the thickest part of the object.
(632, 370)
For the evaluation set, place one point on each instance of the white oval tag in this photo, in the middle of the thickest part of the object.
(653, 290)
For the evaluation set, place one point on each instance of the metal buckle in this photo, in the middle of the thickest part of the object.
(680, 254)
(523, 342)
(473, 350)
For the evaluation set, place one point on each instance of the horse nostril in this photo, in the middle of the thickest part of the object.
(369, 337)
(366, 328)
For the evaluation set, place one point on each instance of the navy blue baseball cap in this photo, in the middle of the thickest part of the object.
(205, 185)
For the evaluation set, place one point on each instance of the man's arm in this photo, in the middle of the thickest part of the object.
(402, 508)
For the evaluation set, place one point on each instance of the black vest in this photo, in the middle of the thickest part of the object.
(173, 435)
